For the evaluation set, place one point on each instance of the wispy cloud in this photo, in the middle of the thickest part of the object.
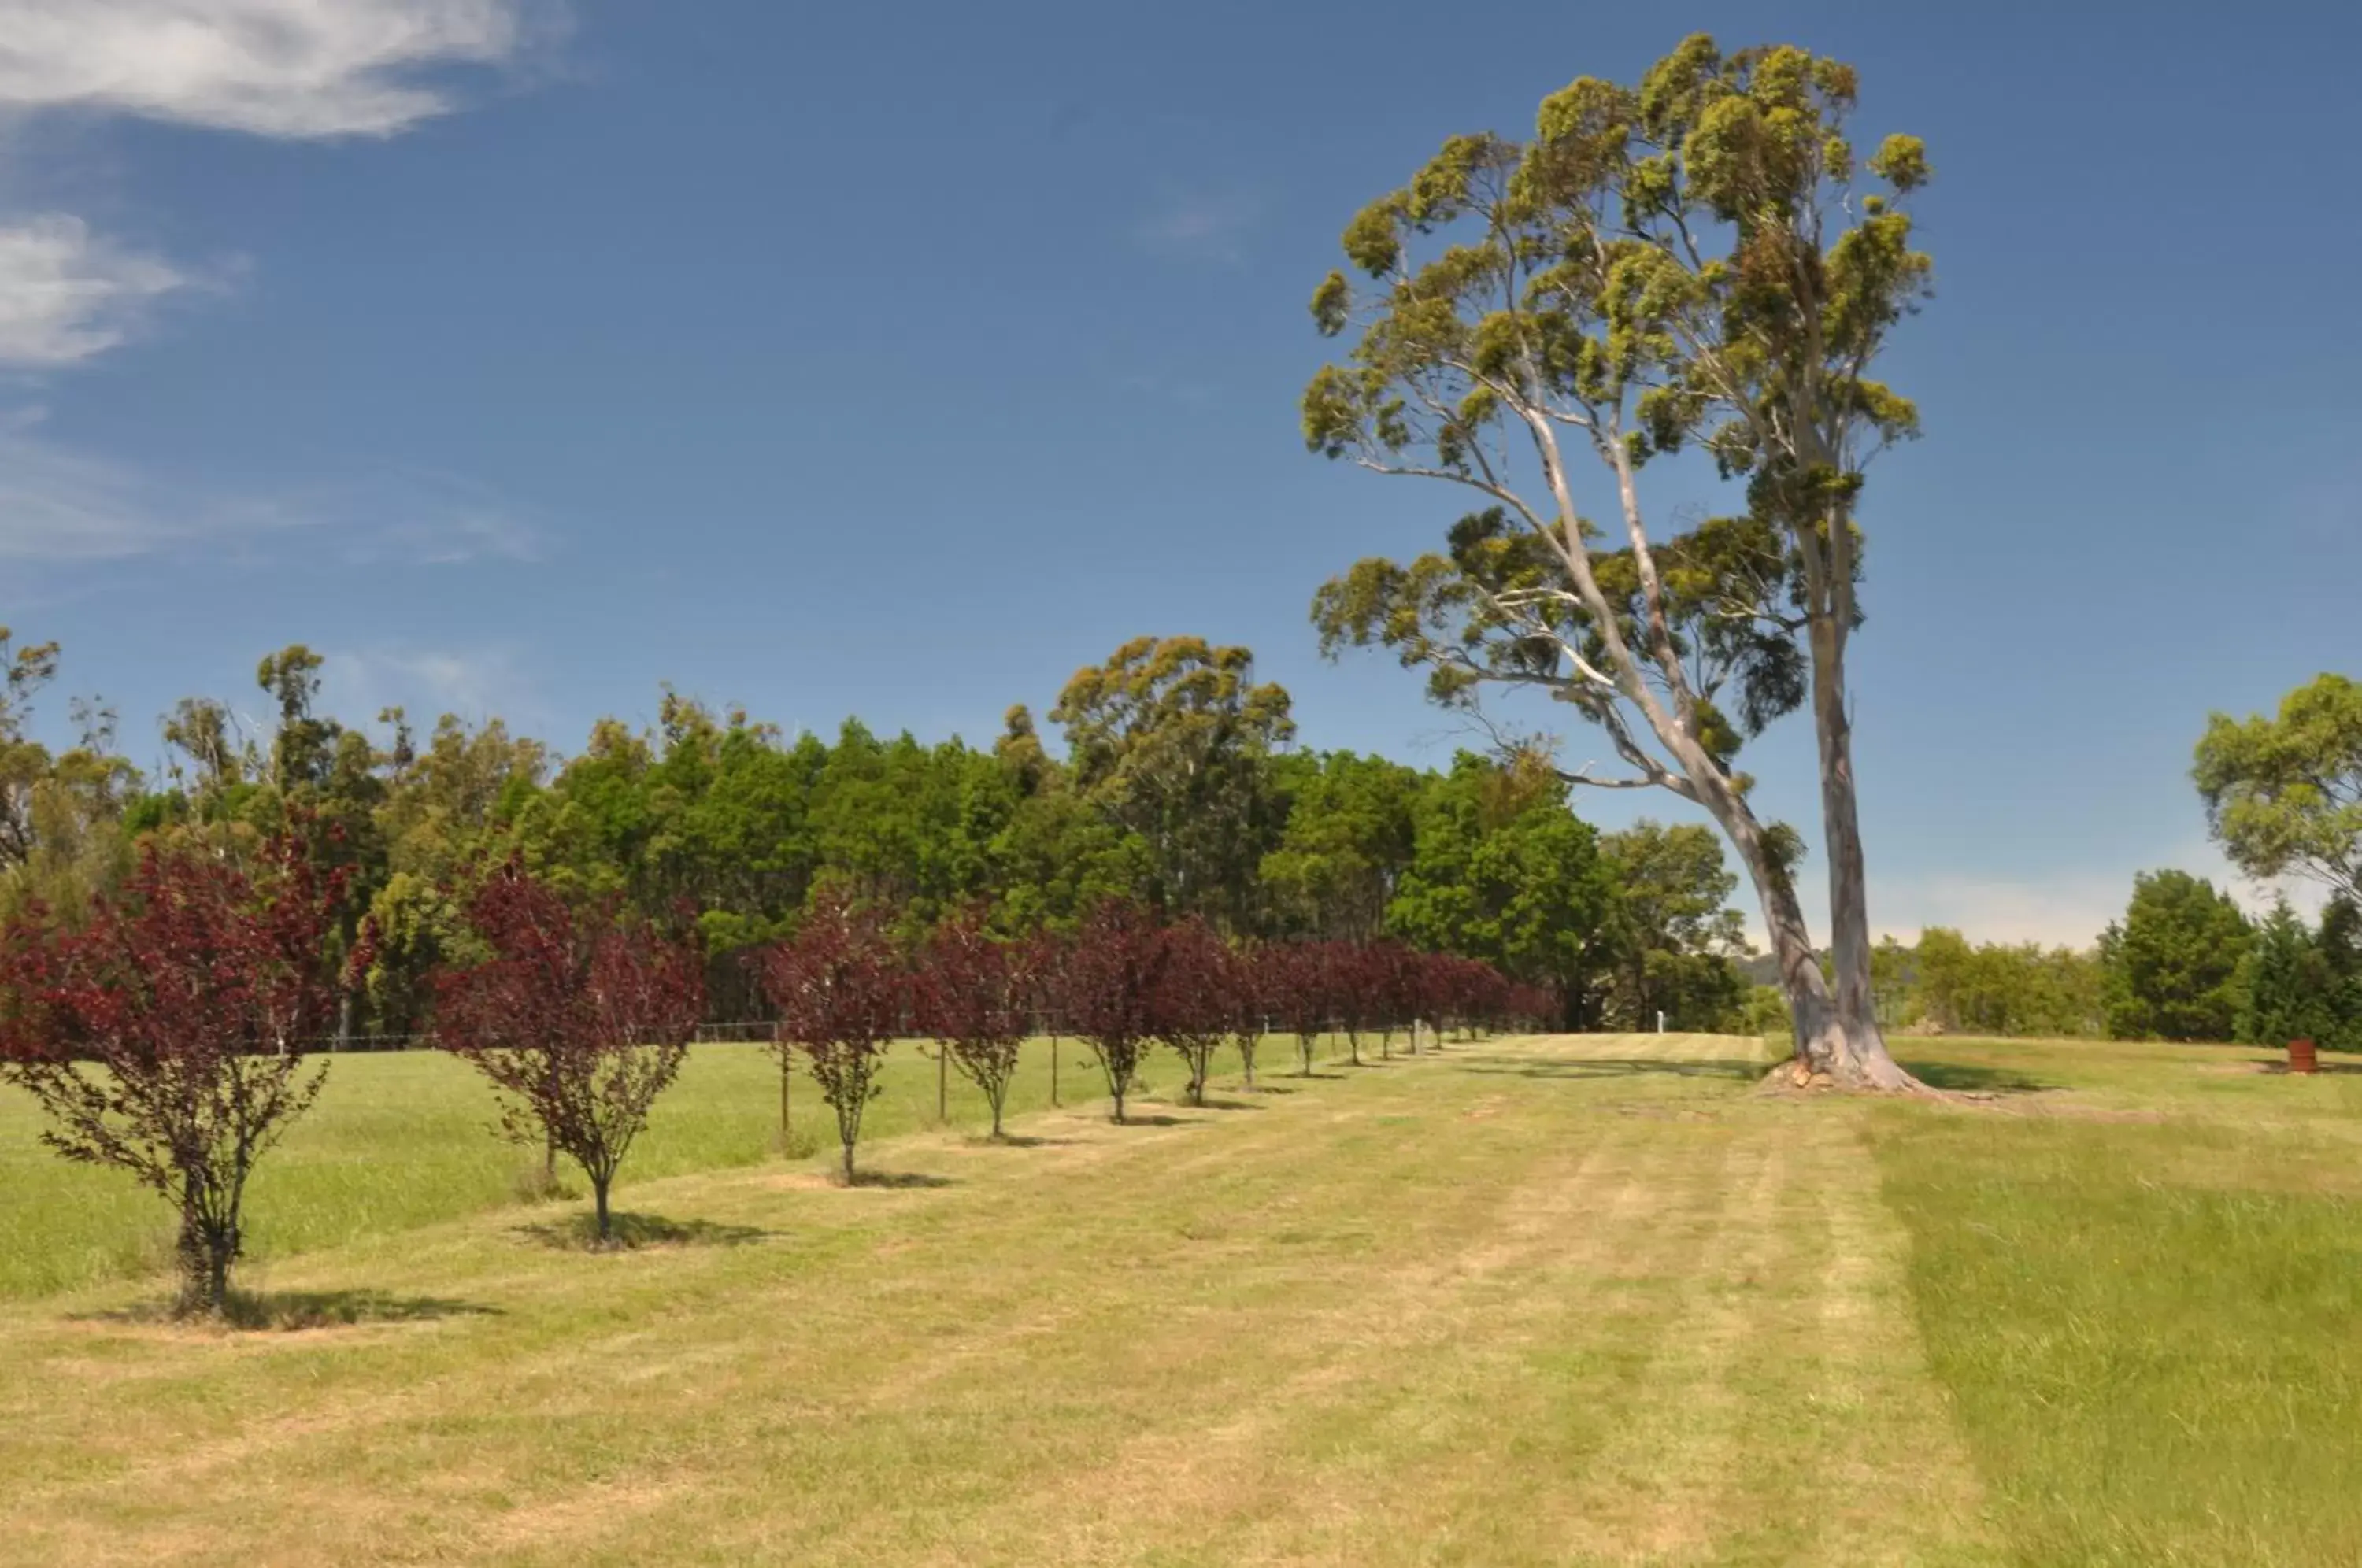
(300, 69)
(303, 69)
(63, 506)
(1205, 225)
(66, 295)
(475, 683)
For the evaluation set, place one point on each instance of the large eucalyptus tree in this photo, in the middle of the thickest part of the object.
(1688, 263)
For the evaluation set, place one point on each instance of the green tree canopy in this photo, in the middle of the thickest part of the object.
(1172, 738)
(2284, 794)
(2170, 965)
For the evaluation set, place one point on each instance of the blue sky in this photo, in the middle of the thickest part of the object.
(895, 360)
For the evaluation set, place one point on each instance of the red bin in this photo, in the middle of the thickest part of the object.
(2302, 1058)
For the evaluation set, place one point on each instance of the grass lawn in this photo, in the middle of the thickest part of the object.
(1542, 1301)
(400, 1140)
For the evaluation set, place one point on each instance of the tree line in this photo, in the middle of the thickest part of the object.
(1180, 786)
(168, 1027)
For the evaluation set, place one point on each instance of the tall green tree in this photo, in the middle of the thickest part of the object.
(2170, 965)
(1688, 261)
(2284, 793)
(2285, 988)
(1351, 831)
(1674, 933)
(1503, 871)
(1174, 738)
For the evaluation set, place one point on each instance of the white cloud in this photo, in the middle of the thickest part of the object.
(66, 295)
(275, 68)
(287, 69)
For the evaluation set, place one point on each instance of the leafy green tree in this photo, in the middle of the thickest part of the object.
(2285, 987)
(1686, 262)
(1504, 872)
(1351, 832)
(62, 816)
(2285, 794)
(2171, 965)
(1057, 856)
(1675, 935)
(1173, 738)
(1997, 988)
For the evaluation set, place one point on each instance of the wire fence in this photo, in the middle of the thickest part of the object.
(760, 1031)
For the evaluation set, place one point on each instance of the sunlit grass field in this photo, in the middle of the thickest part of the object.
(403, 1139)
(1525, 1301)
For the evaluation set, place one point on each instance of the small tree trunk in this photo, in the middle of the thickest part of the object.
(599, 1200)
(787, 1077)
(997, 1097)
(942, 1082)
(1353, 1045)
(848, 1161)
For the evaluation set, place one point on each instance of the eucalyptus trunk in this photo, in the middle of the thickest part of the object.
(1857, 1055)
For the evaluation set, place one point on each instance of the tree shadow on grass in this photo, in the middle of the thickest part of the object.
(1961, 1077)
(1317, 1078)
(289, 1311)
(1136, 1120)
(1210, 1103)
(631, 1232)
(897, 1180)
(1017, 1141)
(1590, 1067)
(2278, 1067)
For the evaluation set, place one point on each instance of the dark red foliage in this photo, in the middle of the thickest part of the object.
(580, 1018)
(1192, 1003)
(975, 994)
(1347, 979)
(1248, 999)
(1108, 990)
(165, 1033)
(1295, 984)
(842, 993)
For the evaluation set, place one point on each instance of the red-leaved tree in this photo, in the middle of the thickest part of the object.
(841, 991)
(1107, 992)
(580, 1018)
(163, 1031)
(1297, 983)
(1190, 1000)
(1346, 979)
(1247, 1002)
(973, 993)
